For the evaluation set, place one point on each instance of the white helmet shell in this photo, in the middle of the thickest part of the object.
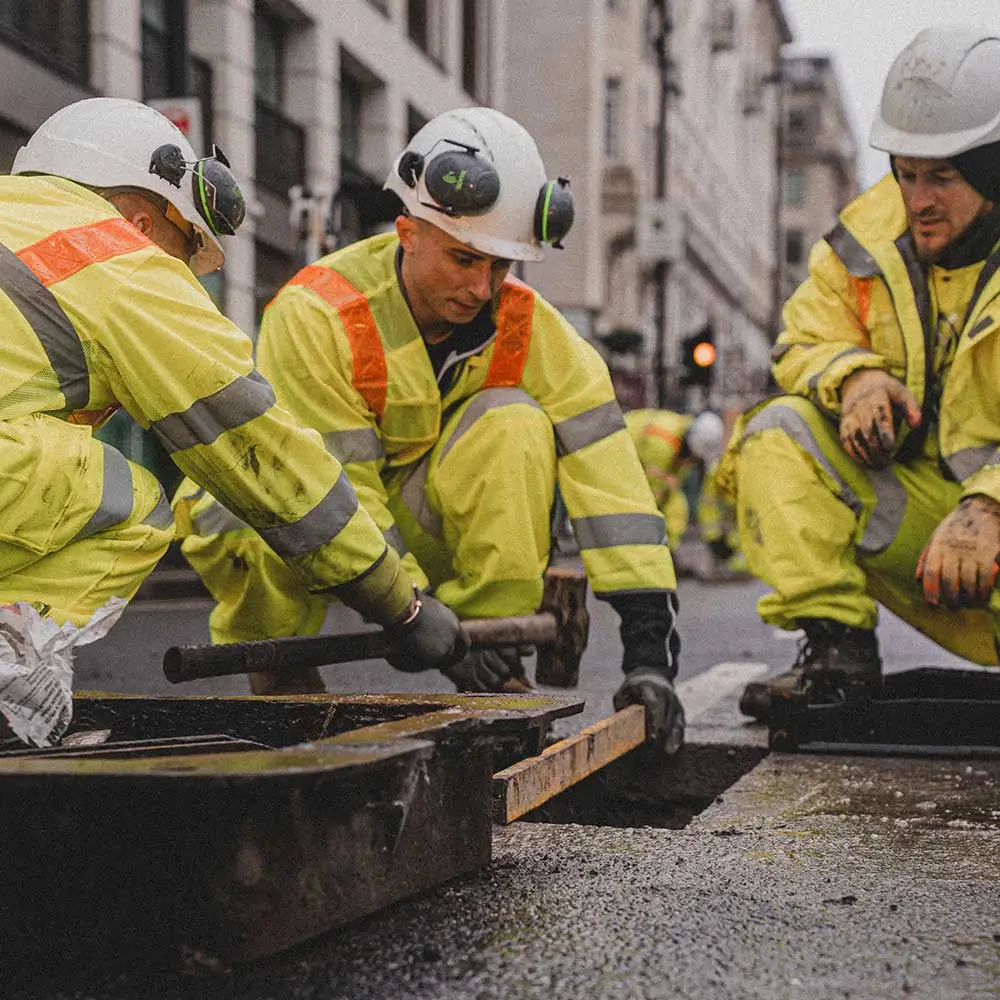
(941, 95)
(108, 142)
(508, 229)
(704, 437)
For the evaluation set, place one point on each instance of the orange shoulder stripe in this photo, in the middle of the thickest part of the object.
(66, 251)
(863, 287)
(371, 374)
(510, 350)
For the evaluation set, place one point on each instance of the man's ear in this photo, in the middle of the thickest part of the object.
(135, 210)
(406, 230)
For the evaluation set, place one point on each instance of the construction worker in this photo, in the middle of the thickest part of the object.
(104, 225)
(719, 530)
(456, 397)
(671, 446)
(876, 479)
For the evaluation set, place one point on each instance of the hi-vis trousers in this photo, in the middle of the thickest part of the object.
(474, 512)
(834, 539)
(79, 523)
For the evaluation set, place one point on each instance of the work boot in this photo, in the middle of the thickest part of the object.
(836, 662)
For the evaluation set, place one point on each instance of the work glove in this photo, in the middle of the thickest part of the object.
(651, 648)
(870, 401)
(959, 563)
(429, 637)
(491, 669)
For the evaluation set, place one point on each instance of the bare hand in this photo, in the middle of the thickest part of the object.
(870, 400)
(959, 563)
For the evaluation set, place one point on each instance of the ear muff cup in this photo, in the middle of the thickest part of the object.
(554, 212)
(410, 168)
(462, 183)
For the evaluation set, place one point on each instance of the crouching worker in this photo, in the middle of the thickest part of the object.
(671, 446)
(104, 225)
(456, 398)
(876, 480)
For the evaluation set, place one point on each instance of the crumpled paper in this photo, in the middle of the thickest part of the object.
(36, 667)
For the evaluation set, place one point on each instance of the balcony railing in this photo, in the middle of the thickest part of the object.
(281, 150)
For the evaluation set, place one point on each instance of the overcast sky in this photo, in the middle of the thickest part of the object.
(863, 37)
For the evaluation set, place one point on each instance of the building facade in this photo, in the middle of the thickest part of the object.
(819, 162)
(678, 225)
(665, 115)
(309, 100)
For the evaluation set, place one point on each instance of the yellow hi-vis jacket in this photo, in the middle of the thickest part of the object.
(345, 356)
(867, 303)
(96, 316)
(658, 436)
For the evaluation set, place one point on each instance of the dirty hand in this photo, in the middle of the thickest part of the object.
(429, 637)
(959, 563)
(869, 402)
(493, 669)
(664, 712)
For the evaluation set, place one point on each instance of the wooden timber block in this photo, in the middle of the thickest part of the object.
(528, 784)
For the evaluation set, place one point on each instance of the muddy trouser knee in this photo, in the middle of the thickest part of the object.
(79, 524)
(833, 538)
(475, 511)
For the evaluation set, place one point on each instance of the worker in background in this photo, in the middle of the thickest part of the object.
(456, 398)
(876, 479)
(718, 527)
(672, 446)
(104, 225)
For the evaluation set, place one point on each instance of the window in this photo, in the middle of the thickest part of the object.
(473, 32)
(268, 54)
(793, 184)
(612, 117)
(380, 5)
(417, 23)
(798, 122)
(352, 97)
(54, 32)
(415, 121)
(794, 247)
(272, 269)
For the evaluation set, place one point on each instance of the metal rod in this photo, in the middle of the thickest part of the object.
(189, 663)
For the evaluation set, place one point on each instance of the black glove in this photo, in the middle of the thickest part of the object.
(664, 712)
(429, 638)
(498, 669)
(651, 648)
(721, 549)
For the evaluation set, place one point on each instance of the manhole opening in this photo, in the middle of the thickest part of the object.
(638, 791)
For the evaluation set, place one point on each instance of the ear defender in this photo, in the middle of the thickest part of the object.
(554, 212)
(462, 183)
(214, 188)
(410, 168)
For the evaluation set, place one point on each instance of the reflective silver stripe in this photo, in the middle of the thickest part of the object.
(413, 493)
(858, 261)
(116, 495)
(204, 420)
(968, 461)
(161, 516)
(815, 379)
(217, 520)
(984, 324)
(589, 427)
(322, 524)
(780, 350)
(890, 496)
(51, 325)
(482, 402)
(361, 445)
(603, 531)
(394, 539)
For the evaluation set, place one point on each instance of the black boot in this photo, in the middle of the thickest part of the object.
(836, 662)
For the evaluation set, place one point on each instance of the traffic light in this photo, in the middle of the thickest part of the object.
(698, 358)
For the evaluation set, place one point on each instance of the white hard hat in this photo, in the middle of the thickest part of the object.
(704, 437)
(478, 175)
(941, 95)
(107, 142)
